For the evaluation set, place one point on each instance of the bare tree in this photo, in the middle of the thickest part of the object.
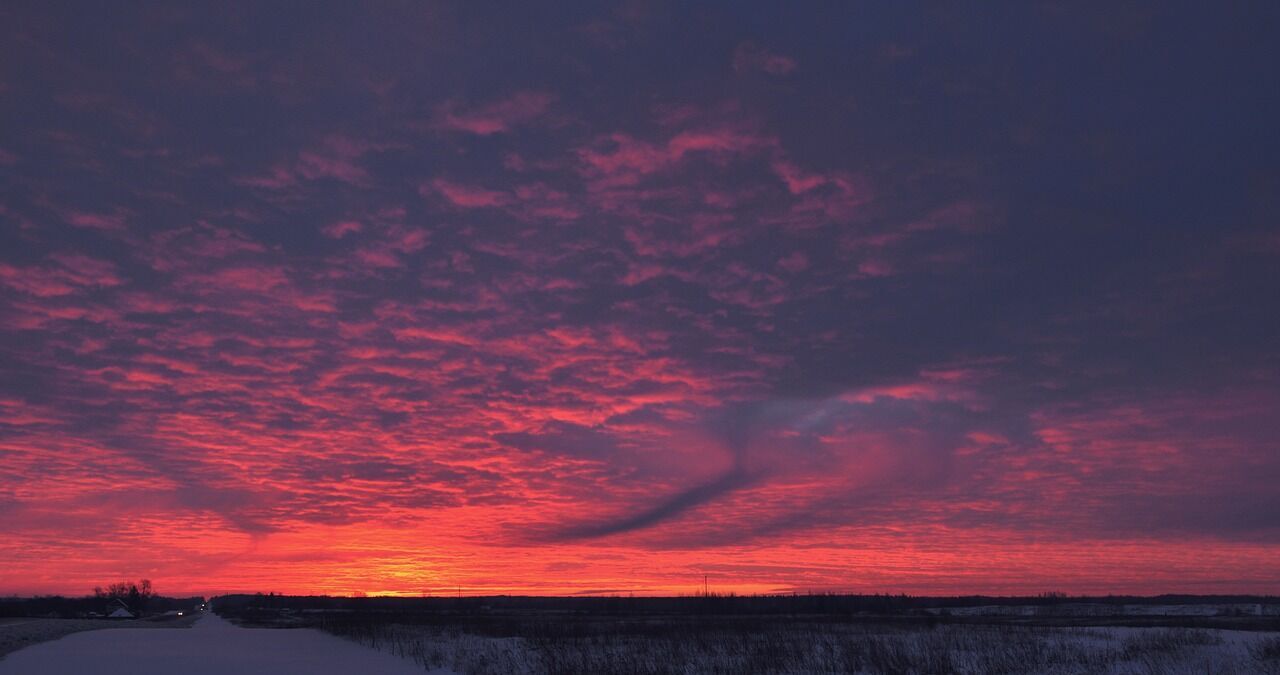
(135, 596)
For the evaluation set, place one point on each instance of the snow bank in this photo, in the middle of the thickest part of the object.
(212, 647)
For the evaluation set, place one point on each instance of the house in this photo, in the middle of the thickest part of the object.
(118, 610)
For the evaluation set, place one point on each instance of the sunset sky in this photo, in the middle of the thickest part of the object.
(568, 298)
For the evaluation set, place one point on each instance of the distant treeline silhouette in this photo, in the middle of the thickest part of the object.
(713, 603)
(134, 596)
(57, 606)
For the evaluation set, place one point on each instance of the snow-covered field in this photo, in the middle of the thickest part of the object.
(838, 648)
(1112, 610)
(18, 633)
(215, 646)
(212, 647)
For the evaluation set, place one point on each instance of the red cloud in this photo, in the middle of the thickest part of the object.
(342, 228)
(97, 221)
(465, 196)
(619, 159)
(749, 56)
(496, 117)
(708, 326)
(72, 273)
(336, 157)
(797, 180)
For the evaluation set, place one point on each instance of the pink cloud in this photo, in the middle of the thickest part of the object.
(874, 268)
(245, 278)
(639, 272)
(538, 201)
(185, 247)
(337, 157)
(962, 215)
(703, 232)
(73, 273)
(497, 117)
(87, 271)
(378, 257)
(620, 154)
(313, 166)
(839, 196)
(798, 181)
(205, 64)
(794, 263)
(33, 282)
(97, 221)
(718, 140)
(749, 56)
(305, 301)
(440, 334)
(407, 239)
(342, 228)
(395, 242)
(619, 159)
(946, 384)
(466, 196)
(277, 178)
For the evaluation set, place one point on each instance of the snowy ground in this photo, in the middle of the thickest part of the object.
(833, 648)
(18, 633)
(1094, 609)
(213, 647)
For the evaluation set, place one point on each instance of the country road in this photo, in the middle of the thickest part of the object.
(212, 646)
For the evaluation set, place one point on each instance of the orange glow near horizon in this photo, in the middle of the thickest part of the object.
(360, 560)
(508, 498)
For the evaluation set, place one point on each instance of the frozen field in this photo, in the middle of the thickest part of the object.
(211, 647)
(838, 648)
(603, 645)
(18, 633)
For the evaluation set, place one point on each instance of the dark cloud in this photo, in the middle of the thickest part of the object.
(664, 510)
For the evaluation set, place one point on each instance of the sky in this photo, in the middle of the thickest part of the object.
(600, 298)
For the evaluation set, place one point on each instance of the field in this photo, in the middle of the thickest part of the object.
(754, 636)
(805, 647)
(211, 646)
(17, 633)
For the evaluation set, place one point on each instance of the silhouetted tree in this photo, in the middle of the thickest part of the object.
(134, 595)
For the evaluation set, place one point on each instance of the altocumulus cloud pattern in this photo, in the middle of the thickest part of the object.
(605, 297)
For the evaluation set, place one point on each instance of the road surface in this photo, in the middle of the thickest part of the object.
(212, 646)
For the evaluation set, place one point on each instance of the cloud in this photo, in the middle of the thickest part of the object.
(622, 315)
(798, 181)
(113, 222)
(342, 228)
(621, 160)
(465, 196)
(495, 117)
(336, 157)
(751, 57)
(659, 513)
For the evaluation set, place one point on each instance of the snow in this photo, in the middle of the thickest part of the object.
(799, 649)
(1097, 609)
(212, 647)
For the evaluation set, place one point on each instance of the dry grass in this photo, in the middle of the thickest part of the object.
(613, 648)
